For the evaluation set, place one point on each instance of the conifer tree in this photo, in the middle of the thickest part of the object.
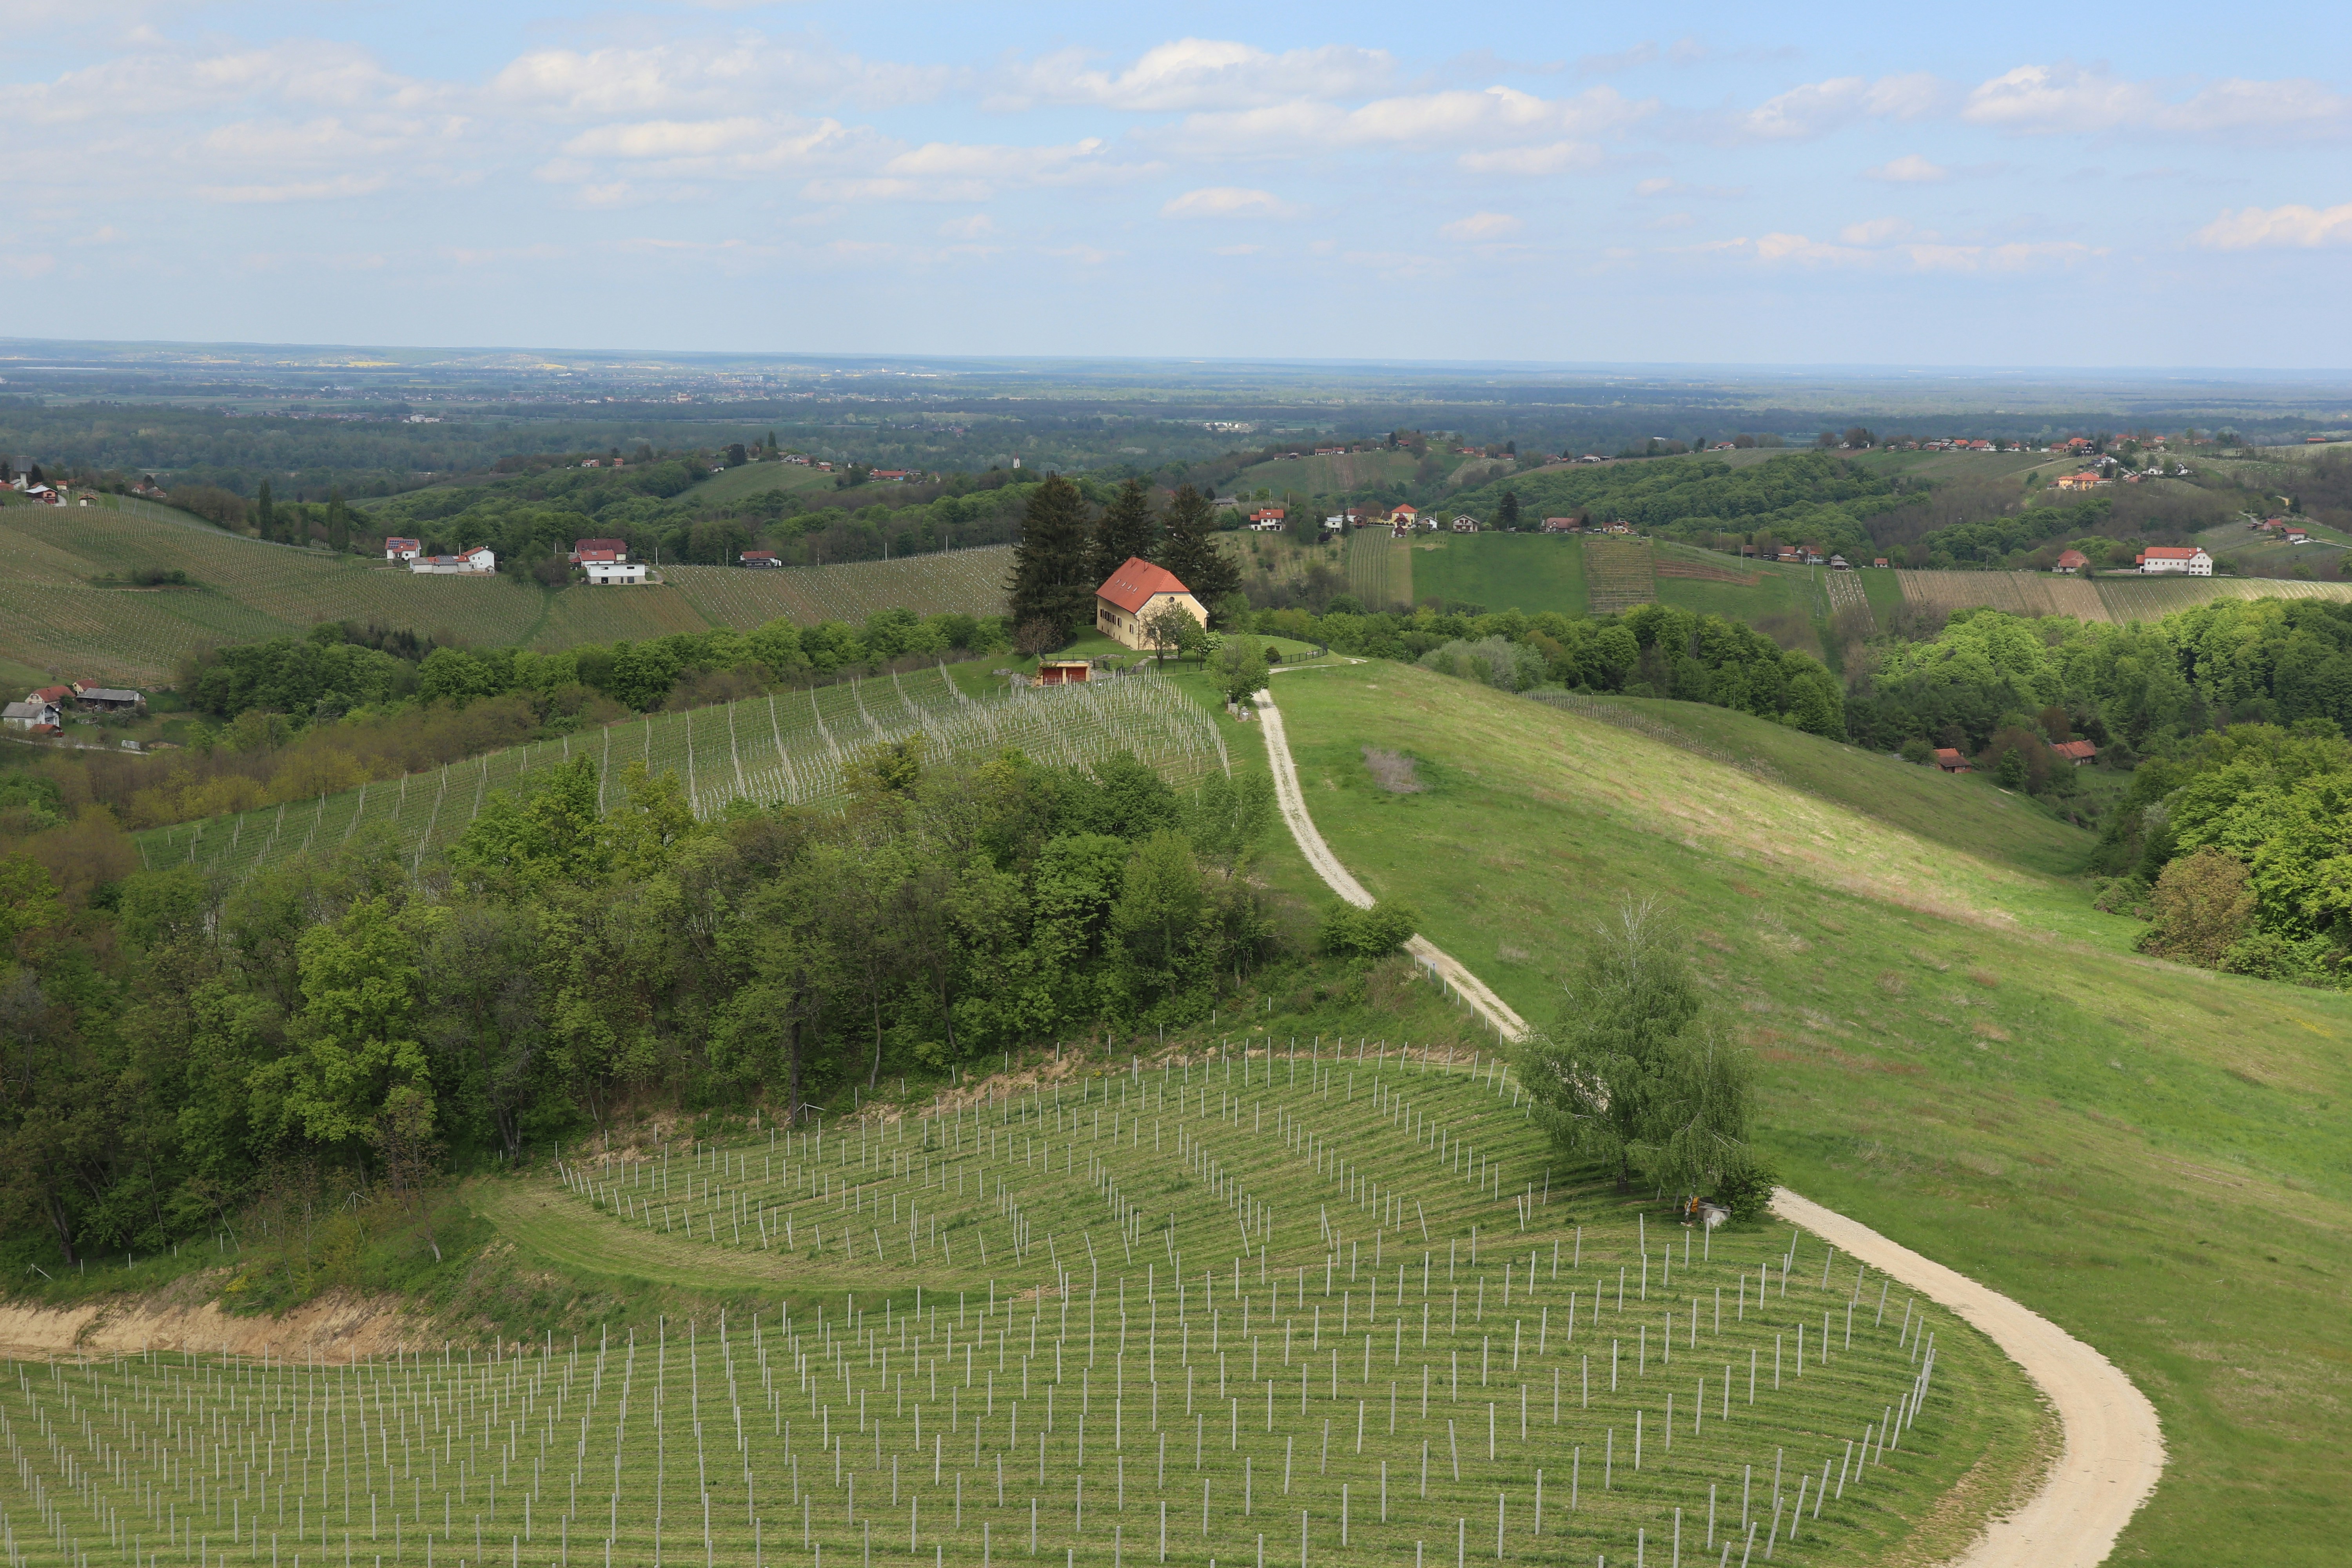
(1189, 549)
(339, 522)
(1050, 563)
(264, 514)
(1127, 528)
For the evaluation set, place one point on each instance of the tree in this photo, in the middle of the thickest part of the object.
(1127, 528)
(339, 522)
(265, 513)
(1188, 547)
(1298, 518)
(1171, 626)
(1633, 1072)
(1238, 669)
(2203, 903)
(1050, 581)
(1506, 515)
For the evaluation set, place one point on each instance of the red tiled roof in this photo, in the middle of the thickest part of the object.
(2169, 552)
(2073, 558)
(613, 544)
(1133, 584)
(2078, 750)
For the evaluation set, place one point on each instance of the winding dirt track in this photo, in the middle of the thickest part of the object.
(2114, 1448)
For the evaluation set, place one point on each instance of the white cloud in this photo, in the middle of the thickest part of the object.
(1861, 248)
(668, 138)
(2068, 97)
(966, 171)
(340, 186)
(1657, 186)
(1483, 227)
(1228, 201)
(1875, 231)
(2289, 228)
(979, 225)
(1496, 113)
(747, 74)
(1195, 74)
(1818, 108)
(1553, 158)
(1908, 170)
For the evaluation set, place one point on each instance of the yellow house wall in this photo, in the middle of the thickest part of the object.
(1128, 630)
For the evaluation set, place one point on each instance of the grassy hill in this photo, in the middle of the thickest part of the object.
(2117, 598)
(1957, 1049)
(1500, 572)
(1336, 476)
(68, 604)
(758, 478)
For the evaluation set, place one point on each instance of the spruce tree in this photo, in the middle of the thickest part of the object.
(339, 522)
(1189, 549)
(1127, 527)
(1050, 563)
(264, 514)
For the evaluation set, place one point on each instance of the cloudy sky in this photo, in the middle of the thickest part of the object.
(2071, 186)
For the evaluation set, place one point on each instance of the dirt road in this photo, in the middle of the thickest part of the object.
(2114, 1449)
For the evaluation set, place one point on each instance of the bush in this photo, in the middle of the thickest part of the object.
(1351, 932)
(1746, 1191)
(1917, 751)
(2202, 905)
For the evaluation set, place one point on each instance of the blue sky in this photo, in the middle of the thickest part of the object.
(1986, 185)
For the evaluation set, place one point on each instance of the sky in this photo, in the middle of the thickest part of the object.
(2085, 186)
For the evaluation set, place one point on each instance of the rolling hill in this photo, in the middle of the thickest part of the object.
(68, 607)
(1957, 1048)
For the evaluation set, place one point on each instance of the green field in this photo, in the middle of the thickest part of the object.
(1348, 474)
(1782, 597)
(1380, 569)
(1358, 1308)
(2122, 597)
(1957, 1049)
(1951, 468)
(1527, 572)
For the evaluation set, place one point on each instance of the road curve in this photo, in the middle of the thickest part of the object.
(2113, 1450)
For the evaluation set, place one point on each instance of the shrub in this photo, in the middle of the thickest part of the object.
(1917, 751)
(2202, 905)
(1351, 932)
(1746, 1190)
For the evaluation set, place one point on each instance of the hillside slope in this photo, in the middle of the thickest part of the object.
(1957, 1050)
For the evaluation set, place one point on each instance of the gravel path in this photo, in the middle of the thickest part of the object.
(2114, 1449)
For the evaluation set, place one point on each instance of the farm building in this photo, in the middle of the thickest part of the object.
(1133, 594)
(1951, 761)
(95, 698)
(477, 559)
(1465, 525)
(760, 558)
(2079, 752)
(598, 549)
(613, 573)
(1880, 562)
(402, 549)
(1560, 525)
(2159, 559)
(1062, 671)
(1403, 514)
(2071, 562)
(33, 715)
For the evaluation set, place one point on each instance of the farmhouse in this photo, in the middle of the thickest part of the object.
(1560, 525)
(759, 558)
(1405, 514)
(1136, 591)
(2085, 480)
(2071, 562)
(2295, 533)
(2078, 752)
(613, 573)
(1465, 525)
(2172, 558)
(600, 549)
(1951, 761)
(33, 715)
(402, 549)
(1880, 562)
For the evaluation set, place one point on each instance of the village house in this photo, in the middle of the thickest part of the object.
(1560, 525)
(757, 558)
(1267, 520)
(2079, 752)
(1133, 595)
(1465, 525)
(1881, 563)
(2295, 533)
(585, 549)
(1405, 514)
(2071, 562)
(32, 714)
(402, 549)
(613, 573)
(2178, 559)
(1951, 761)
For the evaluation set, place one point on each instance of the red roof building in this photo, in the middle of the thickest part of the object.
(2073, 561)
(1131, 595)
(613, 549)
(2077, 752)
(1951, 761)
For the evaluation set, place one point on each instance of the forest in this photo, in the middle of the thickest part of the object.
(173, 1042)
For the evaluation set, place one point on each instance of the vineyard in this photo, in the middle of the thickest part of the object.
(1671, 564)
(2117, 599)
(789, 749)
(955, 582)
(1493, 1392)
(1618, 575)
(1380, 569)
(1846, 595)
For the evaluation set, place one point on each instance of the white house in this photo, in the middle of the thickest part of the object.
(2163, 558)
(33, 713)
(1132, 595)
(614, 572)
(1465, 525)
(402, 549)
